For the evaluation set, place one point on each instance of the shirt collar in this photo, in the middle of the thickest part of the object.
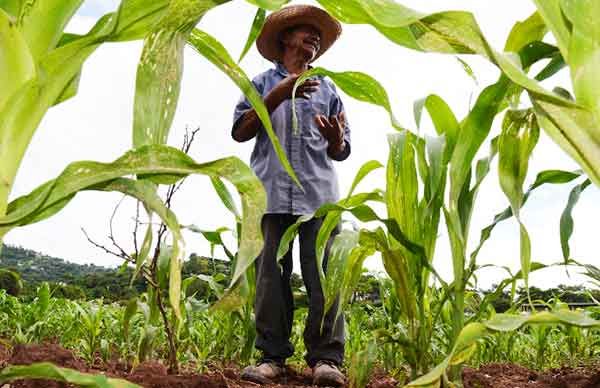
(280, 68)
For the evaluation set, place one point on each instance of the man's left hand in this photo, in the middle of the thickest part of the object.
(332, 130)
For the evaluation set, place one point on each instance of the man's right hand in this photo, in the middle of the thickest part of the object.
(284, 89)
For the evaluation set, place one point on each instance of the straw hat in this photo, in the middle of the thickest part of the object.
(268, 43)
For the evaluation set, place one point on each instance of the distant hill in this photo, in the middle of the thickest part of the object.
(78, 281)
(36, 267)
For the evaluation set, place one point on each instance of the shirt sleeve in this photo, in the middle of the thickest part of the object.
(335, 108)
(243, 106)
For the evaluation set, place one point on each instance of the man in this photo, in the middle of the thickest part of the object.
(292, 38)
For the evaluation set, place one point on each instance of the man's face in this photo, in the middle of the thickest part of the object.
(304, 39)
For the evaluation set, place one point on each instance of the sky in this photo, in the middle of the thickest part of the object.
(96, 125)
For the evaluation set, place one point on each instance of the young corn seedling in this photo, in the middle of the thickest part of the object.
(91, 322)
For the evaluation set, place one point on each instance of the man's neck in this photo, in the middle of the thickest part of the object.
(294, 64)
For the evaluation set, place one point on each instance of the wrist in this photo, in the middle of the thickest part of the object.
(273, 100)
(337, 146)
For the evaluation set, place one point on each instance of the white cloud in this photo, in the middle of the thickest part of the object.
(96, 125)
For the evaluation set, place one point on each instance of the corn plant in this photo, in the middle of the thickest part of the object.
(91, 320)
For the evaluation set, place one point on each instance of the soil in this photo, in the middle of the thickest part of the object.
(153, 374)
(514, 376)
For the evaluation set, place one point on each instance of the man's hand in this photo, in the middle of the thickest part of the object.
(283, 91)
(332, 130)
(249, 123)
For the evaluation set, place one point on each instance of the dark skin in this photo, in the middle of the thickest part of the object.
(300, 46)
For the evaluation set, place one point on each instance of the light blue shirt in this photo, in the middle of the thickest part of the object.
(306, 151)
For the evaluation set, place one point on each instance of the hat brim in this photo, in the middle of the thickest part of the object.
(268, 43)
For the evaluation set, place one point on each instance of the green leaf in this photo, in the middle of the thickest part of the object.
(138, 17)
(362, 173)
(443, 119)
(214, 285)
(58, 69)
(12, 7)
(386, 13)
(225, 196)
(523, 33)
(144, 252)
(584, 52)
(570, 126)
(160, 70)
(573, 129)
(520, 133)
(500, 323)
(257, 24)
(47, 199)
(468, 69)
(42, 23)
(344, 268)
(130, 310)
(354, 204)
(474, 130)
(146, 343)
(551, 12)
(70, 90)
(214, 237)
(48, 371)
(357, 85)
(272, 5)
(544, 177)
(16, 63)
(214, 51)
(164, 265)
(566, 219)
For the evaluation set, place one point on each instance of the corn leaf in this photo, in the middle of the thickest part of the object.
(272, 5)
(214, 237)
(357, 85)
(214, 51)
(12, 7)
(566, 219)
(551, 12)
(584, 52)
(520, 133)
(386, 13)
(59, 69)
(47, 199)
(138, 18)
(16, 63)
(42, 23)
(354, 204)
(257, 24)
(500, 323)
(474, 130)
(544, 177)
(344, 268)
(130, 310)
(523, 33)
(144, 252)
(49, 371)
(225, 196)
(570, 126)
(362, 173)
(443, 119)
(158, 79)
